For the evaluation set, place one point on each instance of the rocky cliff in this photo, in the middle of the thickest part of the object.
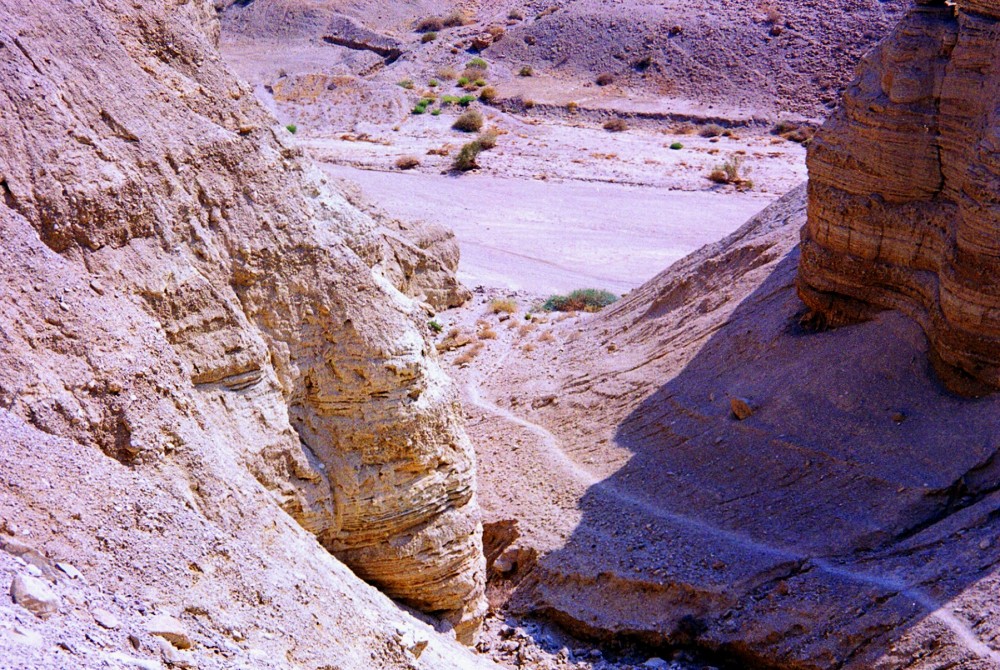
(903, 191)
(187, 307)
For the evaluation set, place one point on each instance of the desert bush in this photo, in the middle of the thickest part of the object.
(429, 24)
(407, 162)
(496, 32)
(528, 103)
(547, 336)
(436, 112)
(466, 100)
(676, 146)
(488, 140)
(572, 106)
(794, 132)
(479, 83)
(552, 9)
(731, 172)
(447, 100)
(515, 15)
(469, 122)
(506, 305)
(447, 73)
(433, 83)
(526, 71)
(487, 333)
(615, 125)
(456, 19)
(711, 130)
(605, 78)
(444, 150)
(292, 128)
(428, 37)
(435, 326)
(462, 81)
(478, 64)
(405, 83)
(422, 106)
(488, 94)
(587, 300)
(466, 158)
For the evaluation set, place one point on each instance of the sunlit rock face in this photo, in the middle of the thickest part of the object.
(904, 191)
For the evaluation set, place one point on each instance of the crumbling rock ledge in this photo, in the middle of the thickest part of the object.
(903, 191)
(185, 283)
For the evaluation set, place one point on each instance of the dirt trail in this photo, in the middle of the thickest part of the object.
(550, 451)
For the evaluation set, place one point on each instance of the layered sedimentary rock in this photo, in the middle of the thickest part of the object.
(211, 302)
(904, 184)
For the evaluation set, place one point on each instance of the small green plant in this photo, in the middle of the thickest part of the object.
(292, 128)
(436, 112)
(587, 300)
(466, 158)
(433, 83)
(428, 37)
(526, 71)
(469, 122)
(405, 83)
(466, 100)
(462, 81)
(478, 64)
(422, 106)
(435, 326)
(447, 100)
(676, 146)
(479, 83)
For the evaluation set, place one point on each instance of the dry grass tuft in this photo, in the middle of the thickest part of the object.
(407, 162)
(508, 305)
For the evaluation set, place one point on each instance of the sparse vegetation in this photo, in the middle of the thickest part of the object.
(711, 130)
(405, 83)
(447, 100)
(587, 300)
(488, 94)
(615, 125)
(433, 83)
(488, 140)
(466, 158)
(407, 162)
(731, 172)
(456, 19)
(795, 132)
(487, 333)
(428, 37)
(469, 122)
(292, 128)
(447, 73)
(676, 146)
(572, 107)
(466, 100)
(435, 326)
(506, 305)
(431, 24)
(605, 78)
(422, 106)
(526, 71)
(479, 83)
(462, 81)
(478, 64)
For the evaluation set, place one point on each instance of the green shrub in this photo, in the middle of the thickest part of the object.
(587, 300)
(676, 146)
(466, 100)
(436, 112)
(462, 81)
(433, 83)
(479, 83)
(422, 106)
(292, 128)
(466, 158)
(470, 122)
(428, 37)
(526, 71)
(478, 64)
(435, 326)
(447, 100)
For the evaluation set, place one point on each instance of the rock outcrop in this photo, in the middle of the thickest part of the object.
(184, 294)
(903, 194)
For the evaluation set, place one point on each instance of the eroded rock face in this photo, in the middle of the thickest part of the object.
(903, 191)
(209, 299)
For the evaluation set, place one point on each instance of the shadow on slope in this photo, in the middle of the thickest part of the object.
(825, 531)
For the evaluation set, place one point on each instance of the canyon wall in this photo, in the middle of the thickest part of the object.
(185, 295)
(903, 184)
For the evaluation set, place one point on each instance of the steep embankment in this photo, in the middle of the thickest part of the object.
(903, 191)
(196, 351)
